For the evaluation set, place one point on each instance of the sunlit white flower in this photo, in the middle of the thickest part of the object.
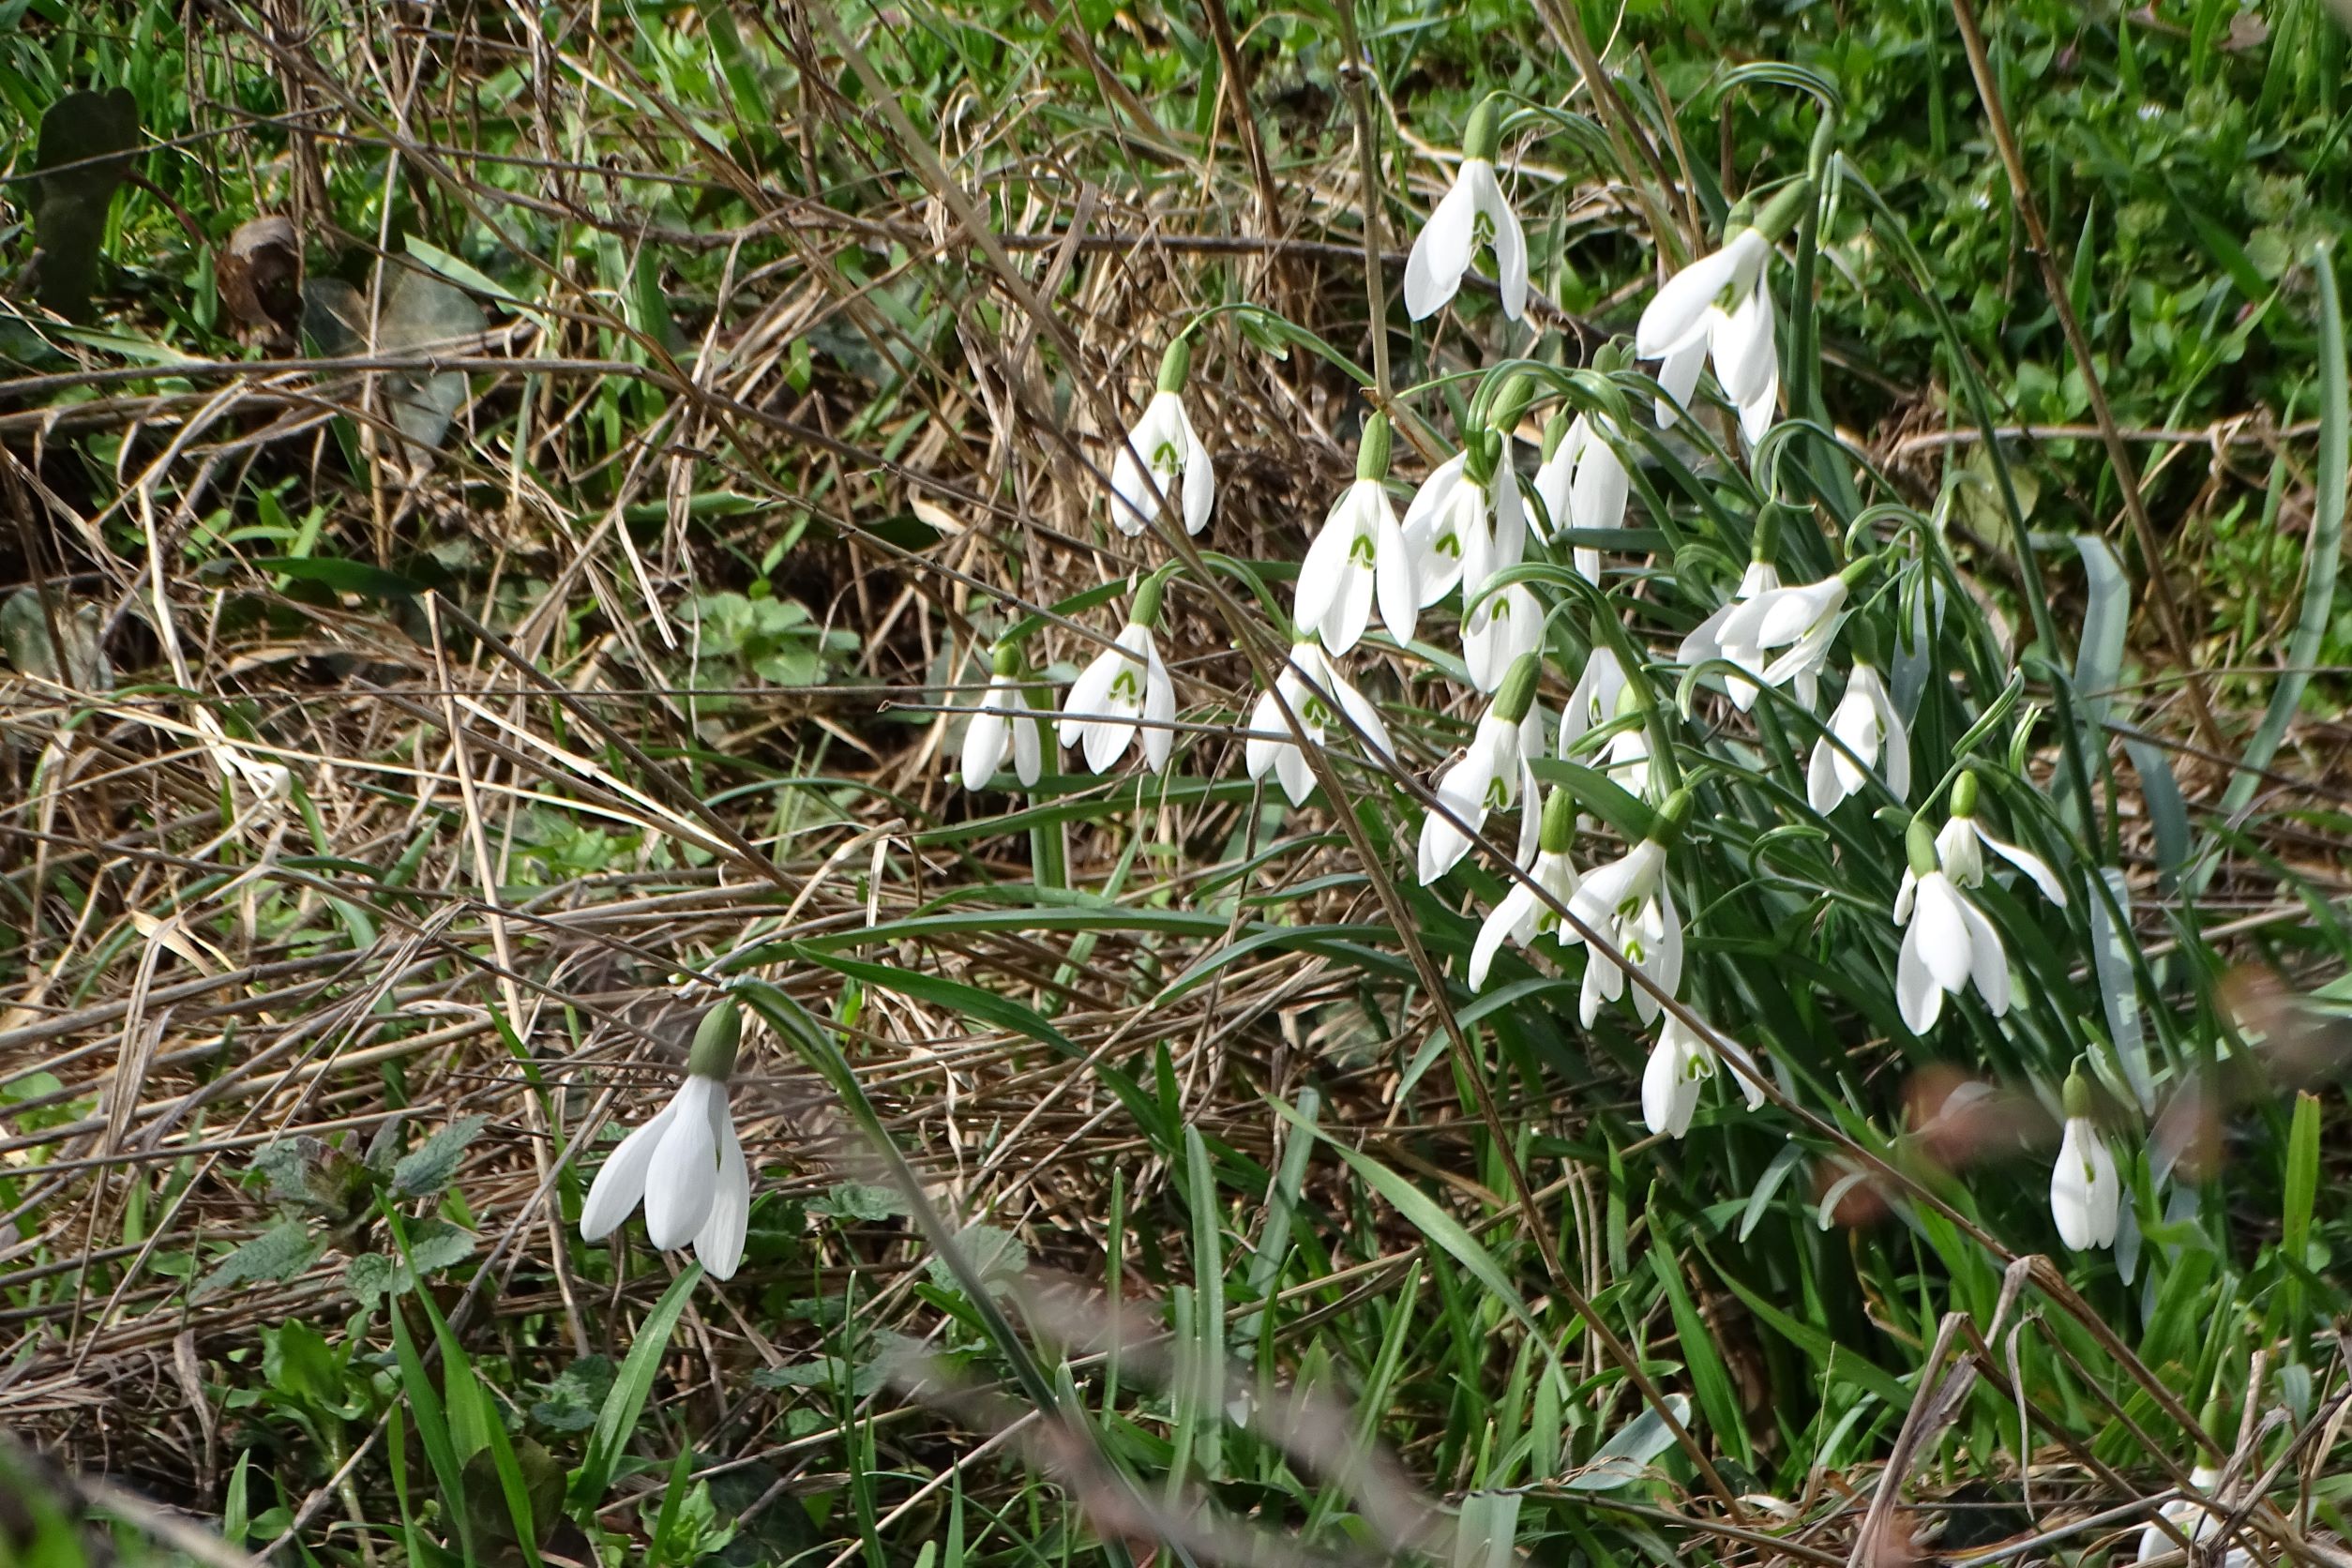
(1947, 941)
(1126, 684)
(1170, 449)
(1721, 304)
(1596, 494)
(1507, 623)
(1628, 903)
(269, 781)
(1627, 760)
(1963, 841)
(2086, 1194)
(1679, 1065)
(1556, 485)
(1491, 774)
(1459, 529)
(1783, 635)
(1472, 215)
(1003, 720)
(1866, 724)
(2193, 1521)
(685, 1164)
(1524, 914)
(1359, 558)
(1315, 692)
(1594, 701)
(1705, 640)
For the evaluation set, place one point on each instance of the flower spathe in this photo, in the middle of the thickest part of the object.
(685, 1165)
(1002, 721)
(1865, 726)
(1471, 214)
(1718, 308)
(1124, 688)
(1315, 692)
(1358, 560)
(2085, 1193)
(1947, 943)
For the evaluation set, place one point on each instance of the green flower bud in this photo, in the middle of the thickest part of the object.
(1175, 365)
(1558, 831)
(2077, 1095)
(1517, 693)
(1483, 137)
(1856, 569)
(1481, 454)
(1373, 453)
(1146, 610)
(1922, 845)
(1667, 826)
(716, 1039)
(1964, 795)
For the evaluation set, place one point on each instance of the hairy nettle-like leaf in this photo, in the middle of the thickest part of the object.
(427, 1169)
(276, 1254)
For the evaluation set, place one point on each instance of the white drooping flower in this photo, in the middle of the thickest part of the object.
(1705, 640)
(1866, 724)
(1679, 1065)
(1169, 450)
(1461, 529)
(2086, 1194)
(685, 1165)
(1506, 623)
(1718, 308)
(1629, 905)
(1960, 846)
(1491, 774)
(1125, 686)
(1360, 558)
(1472, 215)
(1525, 913)
(2194, 1523)
(1594, 701)
(1315, 693)
(1783, 635)
(1627, 760)
(268, 782)
(1002, 721)
(1582, 484)
(1947, 943)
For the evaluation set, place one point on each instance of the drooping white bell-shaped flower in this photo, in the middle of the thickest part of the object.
(1720, 308)
(1525, 913)
(1947, 943)
(1783, 635)
(685, 1165)
(1566, 442)
(1705, 640)
(1596, 494)
(1594, 701)
(2086, 1194)
(1629, 905)
(1313, 690)
(1679, 1065)
(1464, 523)
(1491, 774)
(268, 782)
(1126, 686)
(1866, 727)
(1471, 216)
(2192, 1521)
(1963, 841)
(1360, 558)
(1504, 625)
(1169, 450)
(1003, 721)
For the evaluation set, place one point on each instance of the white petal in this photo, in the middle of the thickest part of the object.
(1131, 506)
(1362, 714)
(1297, 777)
(1682, 303)
(1088, 697)
(1957, 852)
(1667, 1097)
(1266, 725)
(1825, 782)
(2030, 864)
(1751, 1081)
(1741, 343)
(682, 1180)
(1398, 596)
(984, 740)
(1551, 489)
(1988, 964)
(1510, 240)
(1321, 574)
(1942, 929)
(1596, 496)
(720, 1243)
(1678, 377)
(1159, 710)
(1916, 990)
(620, 1185)
(1028, 750)
(1518, 905)
(1200, 483)
(1441, 251)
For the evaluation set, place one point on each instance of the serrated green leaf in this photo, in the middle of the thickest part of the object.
(427, 1169)
(277, 1254)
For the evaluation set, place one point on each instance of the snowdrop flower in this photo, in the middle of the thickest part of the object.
(1627, 760)
(1169, 447)
(1720, 308)
(1783, 635)
(2086, 1194)
(269, 781)
(1465, 522)
(1126, 684)
(1524, 913)
(1705, 641)
(1865, 724)
(1311, 689)
(685, 1164)
(1565, 441)
(1360, 557)
(2189, 1518)
(1594, 701)
(1491, 774)
(1472, 214)
(1679, 1065)
(1504, 625)
(1628, 903)
(1947, 941)
(1962, 844)
(1003, 720)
